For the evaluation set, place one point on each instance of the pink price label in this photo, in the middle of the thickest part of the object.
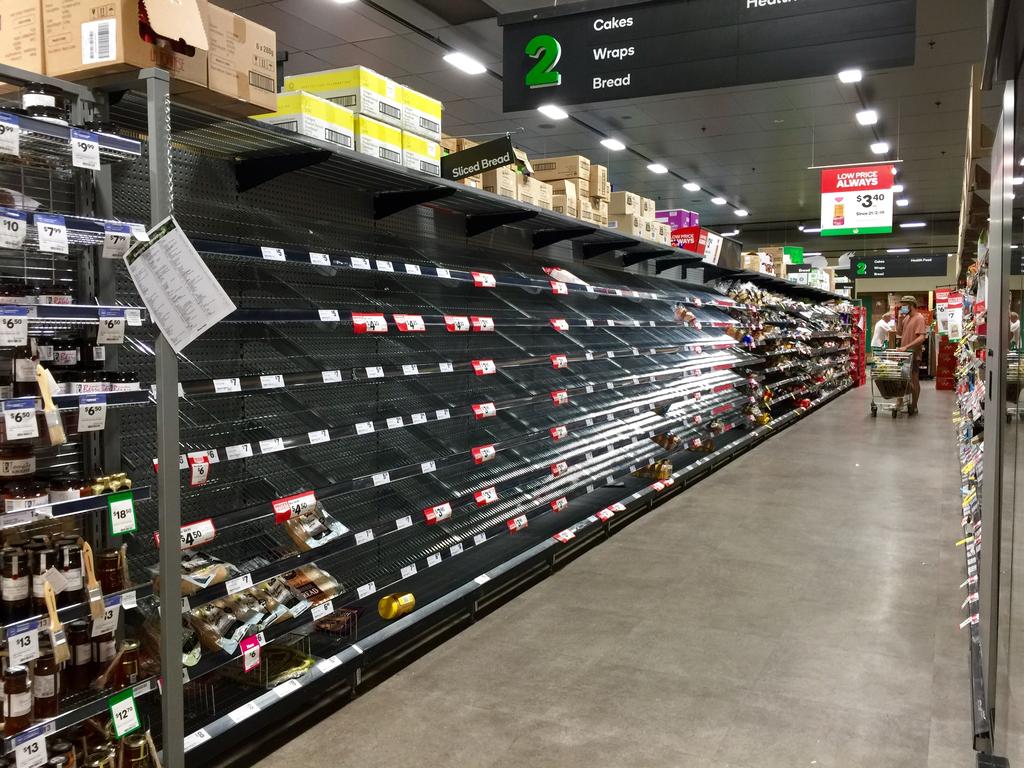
(250, 653)
(559, 324)
(484, 410)
(486, 496)
(560, 397)
(605, 515)
(557, 433)
(199, 470)
(481, 324)
(559, 504)
(559, 288)
(559, 468)
(456, 323)
(483, 279)
(564, 536)
(483, 453)
(517, 523)
(438, 513)
(484, 367)
(410, 323)
(291, 506)
(367, 323)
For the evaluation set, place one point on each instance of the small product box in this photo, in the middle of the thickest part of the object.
(624, 204)
(646, 208)
(421, 114)
(421, 154)
(313, 116)
(573, 187)
(565, 205)
(21, 36)
(626, 223)
(569, 167)
(600, 211)
(502, 181)
(525, 191)
(600, 189)
(650, 229)
(358, 88)
(378, 139)
(585, 211)
(534, 192)
(664, 233)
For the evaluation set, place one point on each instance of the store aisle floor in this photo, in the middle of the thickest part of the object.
(798, 608)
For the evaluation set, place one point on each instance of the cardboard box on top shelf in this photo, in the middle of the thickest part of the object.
(21, 37)
(650, 228)
(525, 166)
(600, 211)
(421, 114)
(534, 192)
(312, 116)
(584, 210)
(378, 139)
(626, 223)
(358, 88)
(421, 154)
(476, 182)
(600, 189)
(624, 204)
(565, 205)
(663, 233)
(646, 208)
(502, 181)
(573, 187)
(569, 167)
(449, 144)
(751, 262)
(88, 42)
(524, 189)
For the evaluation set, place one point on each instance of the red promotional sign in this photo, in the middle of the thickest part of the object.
(483, 279)
(693, 239)
(559, 361)
(456, 323)
(517, 523)
(486, 496)
(437, 513)
(484, 367)
(410, 323)
(559, 504)
(482, 324)
(368, 323)
(559, 288)
(955, 301)
(865, 178)
(559, 324)
(557, 433)
(559, 397)
(292, 506)
(483, 453)
(484, 410)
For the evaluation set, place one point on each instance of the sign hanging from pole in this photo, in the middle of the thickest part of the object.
(857, 200)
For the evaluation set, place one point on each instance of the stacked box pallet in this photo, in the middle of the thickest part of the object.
(570, 179)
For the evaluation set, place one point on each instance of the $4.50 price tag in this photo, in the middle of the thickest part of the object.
(85, 149)
(92, 413)
(116, 239)
(20, 418)
(122, 514)
(123, 713)
(293, 506)
(53, 234)
(23, 642)
(13, 326)
(13, 226)
(111, 326)
(30, 748)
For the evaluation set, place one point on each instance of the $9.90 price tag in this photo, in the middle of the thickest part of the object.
(123, 714)
(92, 413)
(122, 514)
(23, 642)
(30, 748)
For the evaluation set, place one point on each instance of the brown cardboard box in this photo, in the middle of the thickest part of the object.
(570, 167)
(600, 210)
(627, 224)
(525, 191)
(544, 195)
(585, 210)
(624, 204)
(647, 208)
(85, 41)
(663, 232)
(502, 181)
(449, 144)
(21, 36)
(650, 229)
(534, 192)
(461, 144)
(575, 187)
(599, 186)
(564, 204)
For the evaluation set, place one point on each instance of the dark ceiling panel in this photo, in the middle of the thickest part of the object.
(459, 11)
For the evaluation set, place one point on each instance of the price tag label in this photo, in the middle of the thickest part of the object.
(419, 418)
(331, 377)
(23, 642)
(438, 513)
(560, 324)
(564, 536)
(196, 534)
(322, 609)
(482, 324)
(456, 323)
(442, 414)
(486, 496)
(250, 653)
(274, 381)
(559, 288)
(272, 254)
(320, 259)
(123, 714)
(364, 427)
(319, 436)
(410, 323)
(244, 712)
(193, 740)
(456, 549)
(13, 225)
(559, 468)
(427, 467)
(483, 279)
(110, 329)
(411, 370)
(403, 522)
(484, 367)
(292, 506)
(13, 326)
(20, 418)
(92, 413)
(413, 269)
(30, 746)
(559, 361)
(483, 453)
(517, 523)
(199, 470)
(374, 372)
(238, 584)
(369, 323)
(560, 397)
(364, 537)
(408, 571)
(235, 452)
(116, 240)
(10, 144)
(129, 600)
(273, 445)
(385, 266)
(443, 273)
(111, 614)
(381, 478)
(395, 422)
(329, 315)
(360, 263)
(446, 367)
(326, 665)
(484, 410)
(85, 149)
(223, 386)
(366, 590)
(53, 235)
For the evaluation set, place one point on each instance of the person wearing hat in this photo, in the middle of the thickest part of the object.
(913, 331)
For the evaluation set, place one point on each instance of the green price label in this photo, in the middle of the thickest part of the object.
(547, 51)
(122, 513)
(123, 714)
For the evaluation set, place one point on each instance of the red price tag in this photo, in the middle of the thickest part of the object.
(559, 361)
(483, 453)
(199, 470)
(618, 506)
(517, 523)
(559, 324)
(482, 324)
(292, 506)
(559, 504)
(564, 536)
(658, 486)
(484, 410)
(486, 496)
(484, 367)
(483, 279)
(438, 513)
(369, 323)
(456, 323)
(559, 288)
(605, 515)
(559, 397)
(559, 468)
(250, 653)
(557, 433)
(410, 323)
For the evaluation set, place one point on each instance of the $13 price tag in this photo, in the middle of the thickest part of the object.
(92, 413)
(108, 621)
(122, 514)
(23, 642)
(30, 748)
(85, 149)
(123, 713)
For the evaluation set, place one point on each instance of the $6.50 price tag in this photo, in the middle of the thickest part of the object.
(92, 413)
(13, 326)
(30, 748)
(123, 714)
(110, 329)
(122, 514)
(20, 418)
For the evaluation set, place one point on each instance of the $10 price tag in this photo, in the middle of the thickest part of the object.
(92, 413)
(122, 514)
(123, 714)
(13, 226)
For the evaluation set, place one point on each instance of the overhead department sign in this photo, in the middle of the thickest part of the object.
(857, 201)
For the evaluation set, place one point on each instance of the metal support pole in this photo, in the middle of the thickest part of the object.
(168, 492)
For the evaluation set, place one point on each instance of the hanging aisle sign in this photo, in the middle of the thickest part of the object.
(590, 52)
(857, 200)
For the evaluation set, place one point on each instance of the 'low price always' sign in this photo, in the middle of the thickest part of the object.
(857, 200)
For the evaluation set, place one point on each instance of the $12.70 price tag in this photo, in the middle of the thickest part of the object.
(123, 714)
(122, 513)
(92, 413)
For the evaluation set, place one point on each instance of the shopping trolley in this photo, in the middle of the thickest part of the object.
(1014, 376)
(890, 379)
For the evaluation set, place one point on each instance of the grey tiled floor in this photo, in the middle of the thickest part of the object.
(797, 609)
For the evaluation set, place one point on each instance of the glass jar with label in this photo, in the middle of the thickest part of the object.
(99, 759)
(128, 666)
(17, 700)
(65, 749)
(24, 370)
(104, 648)
(138, 751)
(65, 354)
(66, 488)
(108, 571)
(46, 686)
(22, 494)
(6, 385)
(17, 461)
(69, 563)
(56, 294)
(78, 671)
(45, 95)
(41, 559)
(15, 579)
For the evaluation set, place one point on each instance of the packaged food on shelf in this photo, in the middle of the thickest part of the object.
(421, 154)
(628, 224)
(358, 88)
(313, 528)
(421, 114)
(313, 116)
(393, 606)
(378, 139)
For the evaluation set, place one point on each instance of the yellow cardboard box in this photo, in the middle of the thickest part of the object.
(312, 116)
(358, 88)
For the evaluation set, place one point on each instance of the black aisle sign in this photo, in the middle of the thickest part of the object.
(865, 268)
(1017, 263)
(577, 55)
(478, 159)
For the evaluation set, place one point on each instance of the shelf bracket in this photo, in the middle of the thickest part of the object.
(631, 259)
(590, 250)
(478, 223)
(547, 237)
(664, 264)
(253, 170)
(389, 203)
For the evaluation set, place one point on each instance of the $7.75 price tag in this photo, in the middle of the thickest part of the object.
(122, 513)
(123, 713)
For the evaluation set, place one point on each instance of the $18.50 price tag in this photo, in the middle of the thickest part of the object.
(123, 714)
(122, 514)
(92, 413)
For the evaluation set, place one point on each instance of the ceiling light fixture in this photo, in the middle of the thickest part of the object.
(897, 189)
(657, 168)
(913, 225)
(465, 63)
(731, 234)
(903, 202)
(897, 250)
(613, 144)
(553, 112)
(851, 76)
(812, 230)
(691, 187)
(880, 147)
(812, 253)
(742, 212)
(867, 117)
(718, 201)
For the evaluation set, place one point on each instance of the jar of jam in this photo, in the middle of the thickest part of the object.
(104, 648)
(69, 563)
(65, 354)
(10, 293)
(17, 461)
(56, 294)
(58, 761)
(138, 751)
(44, 95)
(128, 666)
(123, 382)
(17, 700)
(6, 385)
(24, 370)
(99, 759)
(22, 494)
(15, 579)
(41, 559)
(65, 749)
(78, 671)
(46, 687)
(108, 571)
(66, 488)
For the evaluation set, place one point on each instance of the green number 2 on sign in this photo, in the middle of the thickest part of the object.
(548, 51)
(862, 268)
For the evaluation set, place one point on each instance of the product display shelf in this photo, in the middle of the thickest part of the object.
(50, 142)
(81, 231)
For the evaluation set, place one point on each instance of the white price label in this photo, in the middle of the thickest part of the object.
(110, 328)
(193, 740)
(287, 687)
(381, 478)
(23, 643)
(319, 436)
(366, 590)
(385, 266)
(92, 413)
(433, 560)
(195, 534)
(273, 445)
(413, 269)
(321, 610)
(364, 537)
(329, 315)
(442, 272)
(108, 621)
(272, 254)
(456, 549)
(409, 570)
(403, 522)
(235, 452)
(222, 386)
(419, 418)
(129, 600)
(364, 427)
(411, 370)
(239, 583)
(243, 712)
(13, 226)
(320, 259)
(479, 539)
(10, 144)
(124, 715)
(395, 422)
(116, 240)
(374, 372)
(360, 263)
(20, 418)
(446, 367)
(85, 149)
(275, 381)
(53, 234)
(427, 467)
(13, 326)
(31, 753)
(326, 665)
(331, 377)
(442, 414)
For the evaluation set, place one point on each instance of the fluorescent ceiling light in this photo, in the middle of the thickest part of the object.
(657, 168)
(691, 187)
(742, 212)
(867, 117)
(812, 230)
(801, 227)
(913, 225)
(731, 234)
(1014, 247)
(555, 113)
(897, 189)
(880, 147)
(897, 250)
(1018, 180)
(903, 202)
(851, 76)
(467, 64)
(613, 144)
(718, 201)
